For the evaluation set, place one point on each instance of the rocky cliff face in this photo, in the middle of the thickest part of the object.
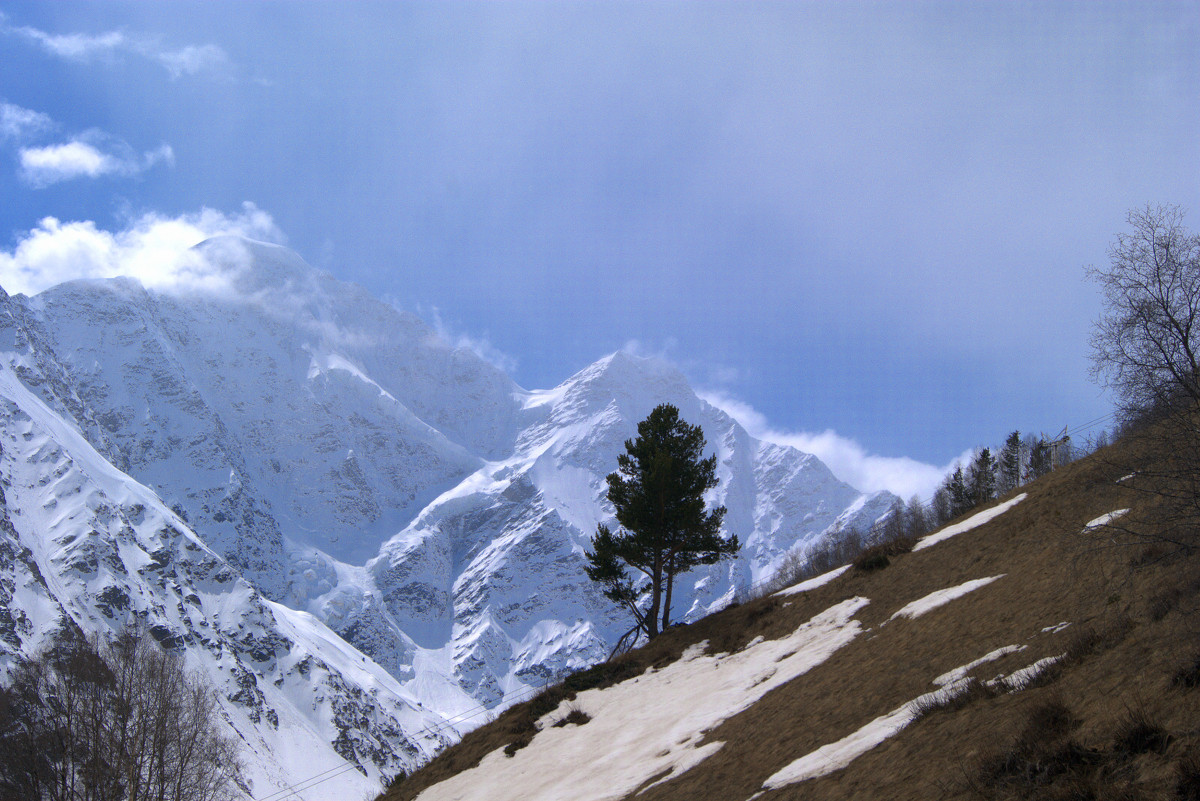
(358, 530)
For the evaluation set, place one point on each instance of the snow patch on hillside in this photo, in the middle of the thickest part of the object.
(941, 597)
(974, 521)
(839, 754)
(1106, 519)
(816, 581)
(959, 673)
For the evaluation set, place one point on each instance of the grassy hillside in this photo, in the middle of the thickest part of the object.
(1117, 716)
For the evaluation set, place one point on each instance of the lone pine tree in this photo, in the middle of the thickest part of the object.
(664, 528)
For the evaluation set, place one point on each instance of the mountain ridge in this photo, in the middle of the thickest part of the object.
(348, 464)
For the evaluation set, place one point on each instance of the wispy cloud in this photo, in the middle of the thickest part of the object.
(192, 60)
(848, 460)
(705, 372)
(155, 250)
(111, 45)
(91, 155)
(481, 346)
(78, 46)
(17, 123)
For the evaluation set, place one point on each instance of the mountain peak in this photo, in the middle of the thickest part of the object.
(252, 266)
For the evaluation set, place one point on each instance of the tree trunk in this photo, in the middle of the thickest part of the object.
(670, 582)
(656, 583)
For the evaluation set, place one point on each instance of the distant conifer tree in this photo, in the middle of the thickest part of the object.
(960, 494)
(1008, 476)
(981, 478)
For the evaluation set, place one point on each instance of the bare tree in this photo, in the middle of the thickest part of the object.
(916, 519)
(120, 721)
(1146, 344)
(1146, 347)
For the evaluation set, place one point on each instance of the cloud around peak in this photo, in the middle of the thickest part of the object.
(847, 459)
(481, 346)
(155, 250)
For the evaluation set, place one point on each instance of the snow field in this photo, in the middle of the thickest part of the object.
(974, 521)
(653, 724)
(92, 529)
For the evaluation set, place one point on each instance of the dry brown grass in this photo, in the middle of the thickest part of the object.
(1133, 643)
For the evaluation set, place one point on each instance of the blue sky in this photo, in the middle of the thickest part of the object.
(862, 226)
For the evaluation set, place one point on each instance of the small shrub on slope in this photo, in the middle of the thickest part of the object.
(1189, 675)
(1040, 755)
(1137, 734)
(1187, 772)
(575, 716)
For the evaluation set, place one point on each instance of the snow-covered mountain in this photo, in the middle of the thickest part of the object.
(360, 532)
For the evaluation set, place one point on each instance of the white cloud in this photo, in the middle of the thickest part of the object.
(42, 166)
(848, 460)
(85, 48)
(80, 158)
(17, 122)
(153, 249)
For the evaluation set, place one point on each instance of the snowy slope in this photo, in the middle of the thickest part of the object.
(83, 544)
(376, 496)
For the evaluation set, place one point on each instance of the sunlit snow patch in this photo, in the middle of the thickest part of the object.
(959, 673)
(935, 599)
(816, 581)
(974, 521)
(1104, 520)
(1019, 679)
(837, 755)
(652, 726)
